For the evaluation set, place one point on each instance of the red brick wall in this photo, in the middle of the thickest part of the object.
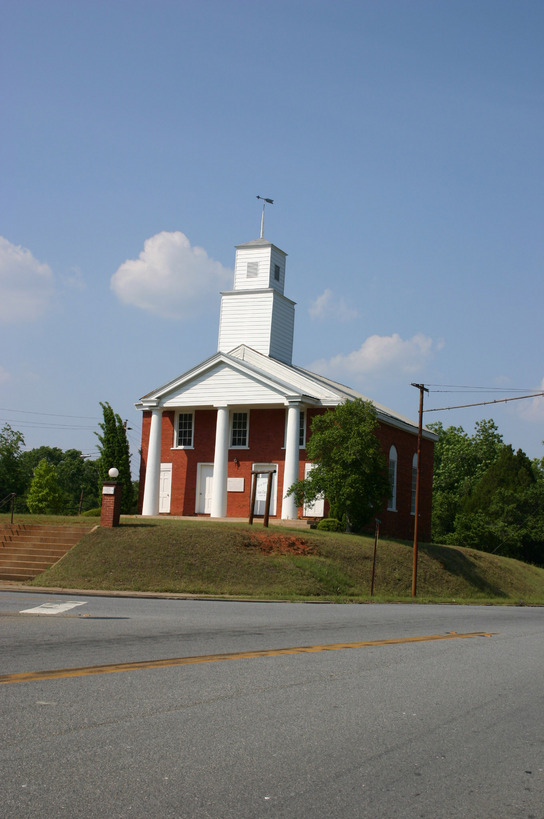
(111, 504)
(266, 434)
(400, 523)
(266, 441)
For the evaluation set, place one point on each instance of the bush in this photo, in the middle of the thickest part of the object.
(92, 513)
(330, 525)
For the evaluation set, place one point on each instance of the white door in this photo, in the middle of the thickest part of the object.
(204, 488)
(262, 484)
(317, 508)
(165, 491)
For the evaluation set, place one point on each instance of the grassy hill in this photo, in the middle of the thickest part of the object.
(236, 560)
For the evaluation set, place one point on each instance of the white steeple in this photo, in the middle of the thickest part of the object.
(256, 312)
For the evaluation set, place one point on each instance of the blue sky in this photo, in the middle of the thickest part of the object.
(401, 141)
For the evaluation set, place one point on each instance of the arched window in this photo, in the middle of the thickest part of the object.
(414, 484)
(392, 504)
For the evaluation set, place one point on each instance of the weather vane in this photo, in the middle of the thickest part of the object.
(264, 201)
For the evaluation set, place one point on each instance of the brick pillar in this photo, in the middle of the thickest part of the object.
(111, 504)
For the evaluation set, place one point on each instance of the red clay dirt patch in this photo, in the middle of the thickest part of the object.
(274, 544)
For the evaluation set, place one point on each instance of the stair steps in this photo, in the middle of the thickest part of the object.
(28, 549)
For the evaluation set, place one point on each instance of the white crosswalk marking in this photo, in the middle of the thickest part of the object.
(51, 608)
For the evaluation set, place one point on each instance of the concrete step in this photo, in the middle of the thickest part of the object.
(23, 563)
(18, 575)
(29, 549)
(31, 554)
(36, 530)
(45, 539)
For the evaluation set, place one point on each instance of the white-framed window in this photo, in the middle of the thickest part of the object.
(239, 429)
(302, 429)
(393, 462)
(414, 484)
(277, 272)
(184, 435)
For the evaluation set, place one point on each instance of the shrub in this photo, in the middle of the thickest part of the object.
(330, 525)
(92, 513)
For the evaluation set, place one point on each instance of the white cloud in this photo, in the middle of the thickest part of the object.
(26, 285)
(170, 278)
(532, 410)
(381, 356)
(4, 375)
(327, 306)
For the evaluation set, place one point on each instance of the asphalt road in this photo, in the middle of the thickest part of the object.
(441, 728)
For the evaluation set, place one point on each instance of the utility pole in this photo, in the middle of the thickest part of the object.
(422, 389)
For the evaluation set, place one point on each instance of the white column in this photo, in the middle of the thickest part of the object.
(218, 507)
(290, 472)
(150, 505)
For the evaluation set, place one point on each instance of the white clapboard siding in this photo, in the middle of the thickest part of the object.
(246, 318)
(277, 258)
(283, 327)
(224, 384)
(262, 319)
(261, 256)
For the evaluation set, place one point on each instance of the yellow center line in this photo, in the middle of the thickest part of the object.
(84, 671)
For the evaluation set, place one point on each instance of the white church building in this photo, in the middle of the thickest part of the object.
(248, 409)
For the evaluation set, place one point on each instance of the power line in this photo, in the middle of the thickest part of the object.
(50, 414)
(478, 387)
(468, 388)
(483, 403)
(35, 425)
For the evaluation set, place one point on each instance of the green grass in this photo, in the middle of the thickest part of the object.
(219, 559)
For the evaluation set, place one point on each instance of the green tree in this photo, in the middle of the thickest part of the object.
(460, 460)
(32, 457)
(77, 476)
(504, 513)
(11, 472)
(115, 452)
(350, 468)
(44, 495)
(78, 480)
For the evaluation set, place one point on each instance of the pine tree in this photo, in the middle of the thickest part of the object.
(115, 452)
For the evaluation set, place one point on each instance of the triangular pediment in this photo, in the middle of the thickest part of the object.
(223, 379)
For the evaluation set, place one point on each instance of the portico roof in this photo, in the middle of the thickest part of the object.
(245, 377)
